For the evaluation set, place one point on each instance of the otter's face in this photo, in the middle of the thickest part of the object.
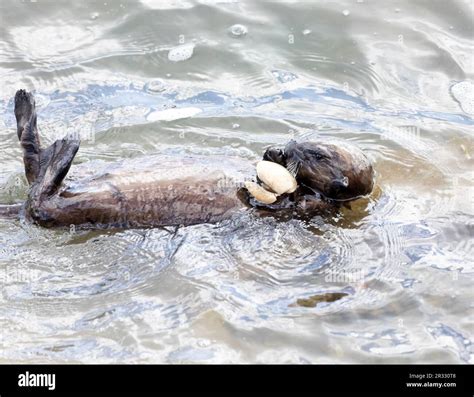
(337, 170)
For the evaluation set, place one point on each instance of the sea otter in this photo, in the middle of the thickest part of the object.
(166, 190)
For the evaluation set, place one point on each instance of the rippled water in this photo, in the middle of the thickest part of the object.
(232, 77)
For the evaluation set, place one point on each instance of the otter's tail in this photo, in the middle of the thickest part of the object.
(10, 210)
(45, 169)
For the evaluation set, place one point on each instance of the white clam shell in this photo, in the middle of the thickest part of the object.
(260, 193)
(276, 177)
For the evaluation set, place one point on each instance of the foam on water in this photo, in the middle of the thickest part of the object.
(173, 114)
(181, 53)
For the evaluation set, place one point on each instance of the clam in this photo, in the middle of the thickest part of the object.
(276, 177)
(260, 193)
(276, 180)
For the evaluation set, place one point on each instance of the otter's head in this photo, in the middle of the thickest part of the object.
(337, 170)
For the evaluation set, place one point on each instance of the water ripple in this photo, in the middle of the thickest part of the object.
(399, 262)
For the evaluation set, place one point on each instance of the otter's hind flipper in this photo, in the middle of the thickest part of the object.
(25, 113)
(55, 163)
(45, 168)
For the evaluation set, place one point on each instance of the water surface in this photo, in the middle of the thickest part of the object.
(176, 77)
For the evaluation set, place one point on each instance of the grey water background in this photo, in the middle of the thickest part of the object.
(135, 78)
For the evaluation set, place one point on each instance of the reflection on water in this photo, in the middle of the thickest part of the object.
(387, 280)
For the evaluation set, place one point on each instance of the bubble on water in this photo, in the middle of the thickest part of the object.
(306, 31)
(181, 53)
(155, 86)
(360, 1)
(346, 13)
(238, 30)
(463, 93)
(283, 76)
(397, 9)
(94, 15)
(451, 27)
(235, 126)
